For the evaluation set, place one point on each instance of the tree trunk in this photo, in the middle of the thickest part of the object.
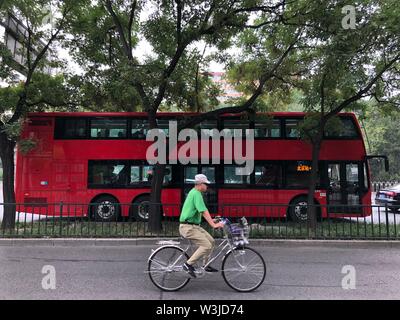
(155, 208)
(7, 158)
(312, 209)
(155, 215)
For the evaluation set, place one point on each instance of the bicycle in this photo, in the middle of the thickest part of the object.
(243, 268)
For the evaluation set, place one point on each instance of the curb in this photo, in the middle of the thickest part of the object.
(76, 242)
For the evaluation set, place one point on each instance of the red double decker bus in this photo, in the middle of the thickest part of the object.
(100, 158)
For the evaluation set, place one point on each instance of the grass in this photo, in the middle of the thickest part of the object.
(326, 230)
(84, 228)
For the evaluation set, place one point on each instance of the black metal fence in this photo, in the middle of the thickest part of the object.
(266, 221)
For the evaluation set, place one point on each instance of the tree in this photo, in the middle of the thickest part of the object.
(338, 67)
(35, 92)
(106, 34)
(355, 64)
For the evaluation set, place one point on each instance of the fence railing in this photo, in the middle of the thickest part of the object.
(378, 185)
(266, 221)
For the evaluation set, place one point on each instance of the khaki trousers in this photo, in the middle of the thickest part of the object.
(200, 238)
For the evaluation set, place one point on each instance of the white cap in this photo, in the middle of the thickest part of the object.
(201, 178)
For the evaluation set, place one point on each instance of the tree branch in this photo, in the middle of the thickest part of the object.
(28, 53)
(167, 73)
(364, 90)
(322, 93)
(379, 100)
(197, 80)
(120, 29)
(178, 22)
(285, 80)
(146, 103)
(130, 23)
(265, 9)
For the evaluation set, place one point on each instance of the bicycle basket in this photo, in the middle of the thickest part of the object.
(238, 234)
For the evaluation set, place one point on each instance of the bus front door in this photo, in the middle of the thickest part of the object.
(344, 187)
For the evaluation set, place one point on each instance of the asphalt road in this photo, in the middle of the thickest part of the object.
(117, 272)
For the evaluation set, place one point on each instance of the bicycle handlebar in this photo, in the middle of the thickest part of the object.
(227, 221)
(222, 219)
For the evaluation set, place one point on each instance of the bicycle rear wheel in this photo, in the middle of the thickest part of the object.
(243, 269)
(165, 268)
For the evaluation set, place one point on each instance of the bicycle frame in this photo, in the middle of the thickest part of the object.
(217, 252)
(221, 248)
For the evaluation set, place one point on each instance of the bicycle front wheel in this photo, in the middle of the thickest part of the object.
(243, 269)
(165, 268)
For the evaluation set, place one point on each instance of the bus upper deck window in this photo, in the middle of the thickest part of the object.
(345, 128)
(267, 128)
(108, 128)
(70, 128)
(139, 128)
(291, 127)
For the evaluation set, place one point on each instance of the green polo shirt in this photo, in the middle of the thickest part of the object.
(193, 207)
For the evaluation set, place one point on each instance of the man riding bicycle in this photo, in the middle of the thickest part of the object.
(193, 210)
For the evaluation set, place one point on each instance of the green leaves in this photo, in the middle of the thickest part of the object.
(9, 97)
(383, 136)
(12, 130)
(26, 145)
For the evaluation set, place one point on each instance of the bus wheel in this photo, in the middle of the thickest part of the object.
(141, 208)
(105, 208)
(298, 209)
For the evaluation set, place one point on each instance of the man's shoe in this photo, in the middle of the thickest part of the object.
(210, 269)
(189, 269)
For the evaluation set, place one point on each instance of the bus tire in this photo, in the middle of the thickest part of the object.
(297, 210)
(105, 208)
(140, 208)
